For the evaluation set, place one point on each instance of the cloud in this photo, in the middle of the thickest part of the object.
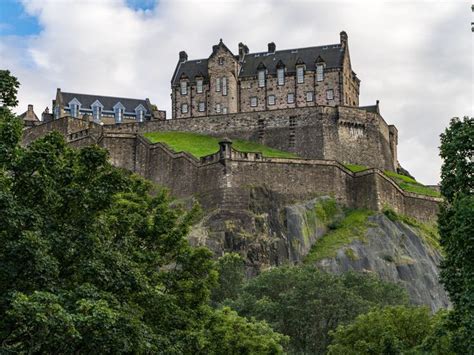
(413, 56)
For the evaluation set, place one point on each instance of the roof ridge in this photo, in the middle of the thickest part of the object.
(92, 95)
(292, 49)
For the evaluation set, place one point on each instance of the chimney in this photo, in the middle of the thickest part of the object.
(30, 109)
(271, 47)
(46, 110)
(183, 56)
(343, 39)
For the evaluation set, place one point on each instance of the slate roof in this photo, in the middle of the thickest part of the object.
(332, 55)
(108, 101)
(29, 116)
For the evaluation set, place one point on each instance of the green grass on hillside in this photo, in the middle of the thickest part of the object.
(355, 168)
(201, 145)
(352, 227)
(411, 185)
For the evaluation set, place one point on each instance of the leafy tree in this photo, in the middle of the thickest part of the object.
(8, 89)
(456, 226)
(94, 259)
(231, 269)
(305, 303)
(390, 330)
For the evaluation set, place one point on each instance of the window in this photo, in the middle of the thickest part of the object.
(199, 86)
(202, 107)
(281, 76)
(224, 86)
(224, 110)
(140, 114)
(118, 111)
(291, 98)
(218, 84)
(319, 72)
(330, 94)
(261, 78)
(253, 101)
(74, 108)
(221, 61)
(184, 88)
(218, 108)
(184, 108)
(309, 96)
(57, 110)
(96, 112)
(300, 75)
(271, 100)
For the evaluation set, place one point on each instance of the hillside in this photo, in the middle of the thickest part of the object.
(320, 232)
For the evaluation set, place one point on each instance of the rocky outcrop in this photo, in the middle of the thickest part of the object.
(272, 231)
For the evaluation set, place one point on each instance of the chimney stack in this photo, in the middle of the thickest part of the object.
(183, 56)
(243, 50)
(271, 47)
(30, 108)
(343, 39)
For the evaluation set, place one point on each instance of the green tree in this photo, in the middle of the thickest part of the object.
(390, 330)
(95, 259)
(456, 226)
(305, 303)
(8, 89)
(231, 269)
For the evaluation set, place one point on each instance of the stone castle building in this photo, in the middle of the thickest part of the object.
(264, 81)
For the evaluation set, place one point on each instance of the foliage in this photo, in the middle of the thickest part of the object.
(390, 330)
(409, 184)
(352, 227)
(201, 145)
(231, 269)
(95, 260)
(8, 89)
(456, 226)
(305, 303)
(356, 168)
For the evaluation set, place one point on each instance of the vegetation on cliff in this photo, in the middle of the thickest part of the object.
(201, 145)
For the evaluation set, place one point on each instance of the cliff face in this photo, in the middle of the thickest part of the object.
(273, 232)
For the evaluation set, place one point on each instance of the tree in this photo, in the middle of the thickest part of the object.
(456, 226)
(95, 259)
(389, 330)
(231, 269)
(305, 303)
(8, 89)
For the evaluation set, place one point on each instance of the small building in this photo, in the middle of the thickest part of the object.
(264, 81)
(105, 109)
(29, 117)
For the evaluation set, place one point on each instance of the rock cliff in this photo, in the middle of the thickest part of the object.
(272, 232)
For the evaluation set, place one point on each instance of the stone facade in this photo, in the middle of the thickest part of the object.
(249, 82)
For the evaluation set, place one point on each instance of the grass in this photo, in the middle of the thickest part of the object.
(322, 214)
(409, 184)
(201, 145)
(355, 168)
(352, 227)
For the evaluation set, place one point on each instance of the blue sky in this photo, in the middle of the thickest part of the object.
(415, 56)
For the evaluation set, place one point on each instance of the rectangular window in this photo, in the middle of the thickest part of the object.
(330, 94)
(218, 108)
(281, 76)
(300, 75)
(199, 86)
(271, 100)
(184, 108)
(74, 109)
(224, 110)
(96, 112)
(224, 86)
(319, 72)
(202, 107)
(218, 84)
(291, 98)
(261, 78)
(184, 88)
(118, 115)
(253, 101)
(309, 96)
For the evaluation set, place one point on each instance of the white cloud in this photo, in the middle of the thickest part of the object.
(413, 56)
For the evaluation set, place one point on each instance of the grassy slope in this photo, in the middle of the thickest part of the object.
(406, 183)
(201, 145)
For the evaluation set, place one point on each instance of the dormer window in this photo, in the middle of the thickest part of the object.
(97, 110)
(300, 74)
(184, 88)
(281, 76)
(140, 113)
(199, 86)
(74, 106)
(224, 86)
(319, 72)
(118, 112)
(261, 78)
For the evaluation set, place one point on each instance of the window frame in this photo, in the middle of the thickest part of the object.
(300, 74)
(311, 93)
(183, 87)
(199, 86)
(184, 105)
(292, 98)
(319, 72)
(218, 84)
(281, 76)
(330, 92)
(218, 108)
(253, 99)
(224, 86)
(273, 102)
(261, 78)
(202, 105)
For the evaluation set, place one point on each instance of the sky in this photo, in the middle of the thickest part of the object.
(415, 56)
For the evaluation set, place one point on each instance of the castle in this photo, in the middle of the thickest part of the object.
(304, 101)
